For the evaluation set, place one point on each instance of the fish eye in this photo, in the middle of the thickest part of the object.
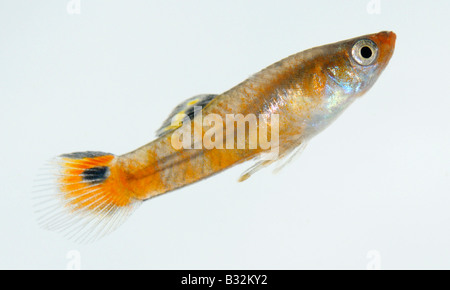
(365, 52)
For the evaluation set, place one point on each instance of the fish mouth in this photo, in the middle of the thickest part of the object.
(386, 38)
(386, 43)
(391, 37)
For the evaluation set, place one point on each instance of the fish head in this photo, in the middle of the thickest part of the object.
(357, 63)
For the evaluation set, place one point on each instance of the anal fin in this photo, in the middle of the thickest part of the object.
(285, 157)
(290, 156)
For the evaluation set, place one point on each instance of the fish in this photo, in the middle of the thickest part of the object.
(291, 101)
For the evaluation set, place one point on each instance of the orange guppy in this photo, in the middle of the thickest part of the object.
(307, 91)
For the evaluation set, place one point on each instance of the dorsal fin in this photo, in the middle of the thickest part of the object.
(185, 108)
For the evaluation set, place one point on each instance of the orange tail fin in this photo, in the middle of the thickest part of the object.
(89, 200)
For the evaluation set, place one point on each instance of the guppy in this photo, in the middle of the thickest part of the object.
(96, 191)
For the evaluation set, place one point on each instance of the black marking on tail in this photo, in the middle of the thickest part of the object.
(95, 175)
(86, 154)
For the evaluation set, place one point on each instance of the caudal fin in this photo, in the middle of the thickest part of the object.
(88, 200)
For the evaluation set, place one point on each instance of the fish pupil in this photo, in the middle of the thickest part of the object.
(366, 52)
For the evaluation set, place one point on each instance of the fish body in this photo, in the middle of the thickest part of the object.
(306, 92)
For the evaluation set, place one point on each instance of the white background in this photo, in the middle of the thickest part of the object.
(373, 190)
